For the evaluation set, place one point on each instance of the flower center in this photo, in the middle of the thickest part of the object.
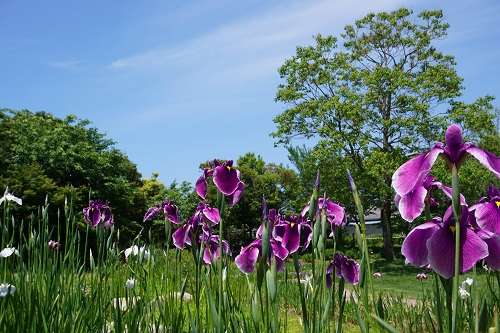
(498, 203)
(452, 228)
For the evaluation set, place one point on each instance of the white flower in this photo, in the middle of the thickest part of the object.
(463, 293)
(8, 251)
(468, 282)
(7, 289)
(10, 197)
(131, 250)
(130, 283)
(377, 275)
(134, 250)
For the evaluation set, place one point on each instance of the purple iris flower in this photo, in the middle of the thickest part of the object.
(410, 176)
(182, 236)
(170, 210)
(204, 217)
(412, 204)
(226, 179)
(294, 232)
(247, 259)
(249, 255)
(212, 249)
(207, 213)
(98, 213)
(433, 244)
(335, 213)
(493, 241)
(345, 267)
(487, 211)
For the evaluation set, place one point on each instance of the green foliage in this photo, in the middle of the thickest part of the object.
(43, 155)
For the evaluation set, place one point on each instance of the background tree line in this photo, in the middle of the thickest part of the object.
(365, 100)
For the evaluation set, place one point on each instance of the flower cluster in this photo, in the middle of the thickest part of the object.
(226, 179)
(140, 252)
(288, 234)
(344, 267)
(98, 213)
(432, 244)
(169, 209)
(198, 229)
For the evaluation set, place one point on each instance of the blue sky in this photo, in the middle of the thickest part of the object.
(179, 82)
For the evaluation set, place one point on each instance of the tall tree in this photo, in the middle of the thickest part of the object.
(382, 94)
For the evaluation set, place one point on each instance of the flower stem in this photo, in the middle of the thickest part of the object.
(456, 213)
(220, 199)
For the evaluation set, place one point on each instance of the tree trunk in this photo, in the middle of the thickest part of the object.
(388, 251)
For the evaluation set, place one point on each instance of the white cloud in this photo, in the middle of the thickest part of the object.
(254, 46)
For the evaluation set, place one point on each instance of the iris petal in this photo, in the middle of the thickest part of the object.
(488, 216)
(493, 258)
(412, 173)
(247, 258)
(414, 246)
(201, 187)
(226, 179)
(489, 160)
(412, 204)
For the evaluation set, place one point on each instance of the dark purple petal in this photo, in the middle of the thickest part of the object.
(489, 160)
(454, 143)
(305, 235)
(95, 216)
(441, 252)
(226, 179)
(278, 249)
(291, 238)
(201, 187)
(337, 263)
(236, 196)
(350, 270)
(171, 212)
(210, 254)
(151, 213)
(473, 249)
(212, 214)
(441, 248)
(181, 236)
(488, 216)
(414, 246)
(412, 204)
(329, 275)
(280, 264)
(280, 230)
(107, 218)
(493, 258)
(226, 248)
(413, 172)
(247, 258)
